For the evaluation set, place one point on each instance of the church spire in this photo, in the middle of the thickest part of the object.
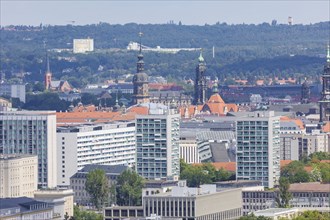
(140, 63)
(48, 66)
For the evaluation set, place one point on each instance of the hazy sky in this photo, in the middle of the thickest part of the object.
(155, 11)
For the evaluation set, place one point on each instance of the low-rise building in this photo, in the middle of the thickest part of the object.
(304, 195)
(23, 208)
(60, 199)
(18, 175)
(78, 180)
(195, 203)
(152, 187)
(277, 213)
(123, 212)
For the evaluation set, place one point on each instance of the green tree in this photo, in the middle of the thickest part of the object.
(129, 188)
(253, 217)
(315, 175)
(313, 215)
(97, 186)
(295, 172)
(284, 197)
(79, 214)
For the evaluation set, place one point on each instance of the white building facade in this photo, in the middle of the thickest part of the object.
(31, 132)
(83, 45)
(157, 144)
(18, 175)
(258, 148)
(103, 144)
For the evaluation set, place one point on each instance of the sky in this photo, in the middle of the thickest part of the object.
(197, 12)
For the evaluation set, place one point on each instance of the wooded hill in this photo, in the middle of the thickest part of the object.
(240, 50)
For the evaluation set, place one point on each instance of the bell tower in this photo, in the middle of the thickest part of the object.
(140, 80)
(325, 95)
(200, 82)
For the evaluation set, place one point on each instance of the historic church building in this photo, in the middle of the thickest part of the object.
(215, 105)
(140, 81)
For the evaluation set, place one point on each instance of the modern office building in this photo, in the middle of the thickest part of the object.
(78, 180)
(195, 203)
(103, 144)
(157, 143)
(13, 91)
(18, 175)
(31, 132)
(258, 147)
(60, 199)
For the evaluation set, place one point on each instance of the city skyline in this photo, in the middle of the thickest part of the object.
(159, 12)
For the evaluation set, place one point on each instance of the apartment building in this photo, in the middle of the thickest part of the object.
(31, 132)
(157, 143)
(258, 147)
(103, 144)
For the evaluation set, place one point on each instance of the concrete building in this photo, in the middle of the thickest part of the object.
(295, 146)
(18, 175)
(312, 194)
(304, 195)
(216, 146)
(195, 203)
(83, 45)
(104, 144)
(157, 143)
(123, 212)
(23, 208)
(188, 146)
(152, 187)
(278, 213)
(258, 148)
(60, 199)
(78, 180)
(13, 91)
(31, 132)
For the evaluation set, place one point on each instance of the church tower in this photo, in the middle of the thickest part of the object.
(140, 81)
(48, 75)
(325, 95)
(200, 82)
(305, 93)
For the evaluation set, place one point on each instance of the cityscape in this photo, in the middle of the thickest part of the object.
(160, 121)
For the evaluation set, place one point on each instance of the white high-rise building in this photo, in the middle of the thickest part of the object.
(157, 143)
(103, 144)
(31, 132)
(258, 148)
